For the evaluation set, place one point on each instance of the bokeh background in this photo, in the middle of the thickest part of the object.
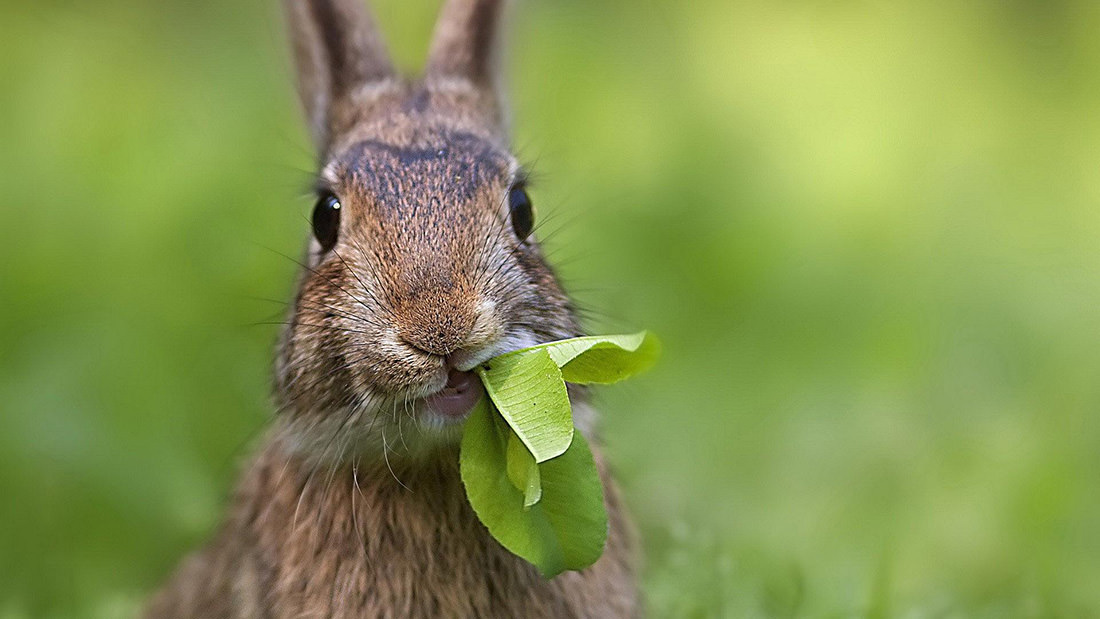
(867, 232)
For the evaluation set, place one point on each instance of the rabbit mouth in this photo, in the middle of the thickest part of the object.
(452, 403)
(457, 398)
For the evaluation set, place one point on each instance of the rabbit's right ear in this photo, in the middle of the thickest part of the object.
(337, 50)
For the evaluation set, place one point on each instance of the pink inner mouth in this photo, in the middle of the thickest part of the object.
(458, 397)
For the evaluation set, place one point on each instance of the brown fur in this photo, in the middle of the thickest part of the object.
(354, 543)
(353, 506)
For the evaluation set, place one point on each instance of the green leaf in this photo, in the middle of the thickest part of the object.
(600, 359)
(566, 530)
(523, 471)
(528, 389)
(529, 476)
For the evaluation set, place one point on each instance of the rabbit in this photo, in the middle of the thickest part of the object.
(422, 264)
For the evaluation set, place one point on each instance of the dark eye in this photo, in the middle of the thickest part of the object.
(326, 221)
(523, 217)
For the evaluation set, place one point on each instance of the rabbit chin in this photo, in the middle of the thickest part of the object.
(399, 433)
(385, 427)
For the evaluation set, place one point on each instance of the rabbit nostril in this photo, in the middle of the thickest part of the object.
(423, 347)
(440, 342)
(435, 327)
(452, 331)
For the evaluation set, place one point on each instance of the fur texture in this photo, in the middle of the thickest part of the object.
(351, 542)
(353, 506)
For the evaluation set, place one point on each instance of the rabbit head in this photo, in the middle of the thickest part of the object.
(422, 263)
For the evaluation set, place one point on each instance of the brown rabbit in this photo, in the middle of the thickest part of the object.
(422, 265)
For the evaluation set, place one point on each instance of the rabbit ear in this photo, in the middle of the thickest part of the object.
(337, 50)
(465, 42)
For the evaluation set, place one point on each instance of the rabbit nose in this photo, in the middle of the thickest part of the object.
(436, 323)
(435, 308)
(442, 338)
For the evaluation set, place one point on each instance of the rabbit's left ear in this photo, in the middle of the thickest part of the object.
(337, 50)
(466, 47)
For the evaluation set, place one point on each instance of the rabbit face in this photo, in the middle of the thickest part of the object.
(416, 274)
(422, 263)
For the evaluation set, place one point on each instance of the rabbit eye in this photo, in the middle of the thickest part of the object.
(523, 216)
(326, 221)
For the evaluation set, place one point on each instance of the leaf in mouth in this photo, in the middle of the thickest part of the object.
(530, 478)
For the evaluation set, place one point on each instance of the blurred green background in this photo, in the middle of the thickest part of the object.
(866, 231)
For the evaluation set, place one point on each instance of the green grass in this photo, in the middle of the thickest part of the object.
(866, 232)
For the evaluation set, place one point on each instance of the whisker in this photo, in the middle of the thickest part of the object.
(294, 323)
(327, 279)
(386, 457)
